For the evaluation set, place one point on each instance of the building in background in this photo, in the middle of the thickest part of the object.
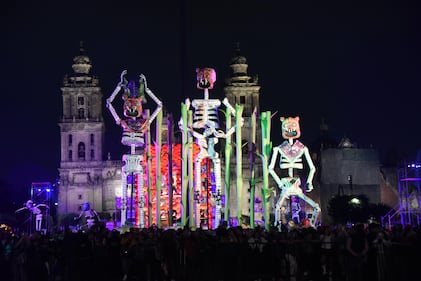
(243, 89)
(84, 175)
(348, 170)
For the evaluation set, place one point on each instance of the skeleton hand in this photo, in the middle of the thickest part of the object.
(219, 133)
(213, 131)
(122, 82)
(143, 78)
(309, 187)
(180, 124)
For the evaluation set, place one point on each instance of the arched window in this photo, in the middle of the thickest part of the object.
(81, 113)
(80, 101)
(70, 155)
(81, 151)
(70, 140)
(92, 139)
(92, 154)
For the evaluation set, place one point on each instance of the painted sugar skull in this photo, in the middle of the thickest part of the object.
(290, 127)
(133, 98)
(206, 77)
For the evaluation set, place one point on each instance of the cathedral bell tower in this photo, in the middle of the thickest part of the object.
(82, 137)
(242, 89)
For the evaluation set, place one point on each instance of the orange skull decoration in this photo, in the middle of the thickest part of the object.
(290, 127)
(133, 98)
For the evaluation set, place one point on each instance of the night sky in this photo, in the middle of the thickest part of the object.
(359, 68)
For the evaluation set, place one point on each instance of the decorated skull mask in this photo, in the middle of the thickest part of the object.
(290, 127)
(206, 77)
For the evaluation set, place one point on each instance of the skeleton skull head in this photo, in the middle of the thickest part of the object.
(290, 127)
(29, 204)
(133, 98)
(206, 77)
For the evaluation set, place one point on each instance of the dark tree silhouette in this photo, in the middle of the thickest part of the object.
(349, 208)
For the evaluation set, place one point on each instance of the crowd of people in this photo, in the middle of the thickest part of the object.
(360, 252)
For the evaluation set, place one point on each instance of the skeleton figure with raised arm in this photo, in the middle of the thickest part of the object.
(291, 154)
(34, 209)
(134, 127)
(205, 129)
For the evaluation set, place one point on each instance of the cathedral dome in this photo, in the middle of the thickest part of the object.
(238, 59)
(81, 63)
(238, 64)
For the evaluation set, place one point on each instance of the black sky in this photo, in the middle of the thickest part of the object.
(358, 67)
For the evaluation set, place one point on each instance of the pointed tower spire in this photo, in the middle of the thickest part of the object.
(237, 49)
(81, 49)
(238, 63)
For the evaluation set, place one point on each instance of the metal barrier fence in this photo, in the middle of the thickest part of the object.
(209, 259)
(288, 260)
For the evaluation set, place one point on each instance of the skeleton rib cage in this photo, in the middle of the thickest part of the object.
(205, 113)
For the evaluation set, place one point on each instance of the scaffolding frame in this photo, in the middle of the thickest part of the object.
(41, 194)
(409, 187)
(408, 210)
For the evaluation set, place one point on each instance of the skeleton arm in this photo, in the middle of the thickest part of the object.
(232, 110)
(272, 167)
(80, 215)
(42, 205)
(112, 97)
(155, 99)
(227, 104)
(95, 214)
(21, 209)
(312, 170)
(190, 130)
(180, 122)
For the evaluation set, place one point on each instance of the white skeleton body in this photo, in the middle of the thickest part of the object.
(90, 215)
(291, 154)
(34, 210)
(133, 162)
(205, 131)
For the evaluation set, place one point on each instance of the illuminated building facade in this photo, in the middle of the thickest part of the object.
(243, 89)
(84, 175)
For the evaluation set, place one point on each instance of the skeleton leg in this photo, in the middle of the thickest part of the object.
(278, 208)
(217, 171)
(38, 222)
(123, 196)
(316, 207)
(197, 188)
(141, 197)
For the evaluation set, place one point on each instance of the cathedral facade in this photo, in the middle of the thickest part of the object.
(84, 175)
(242, 89)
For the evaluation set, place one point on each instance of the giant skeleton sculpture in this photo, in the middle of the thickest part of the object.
(291, 154)
(34, 209)
(134, 127)
(205, 129)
